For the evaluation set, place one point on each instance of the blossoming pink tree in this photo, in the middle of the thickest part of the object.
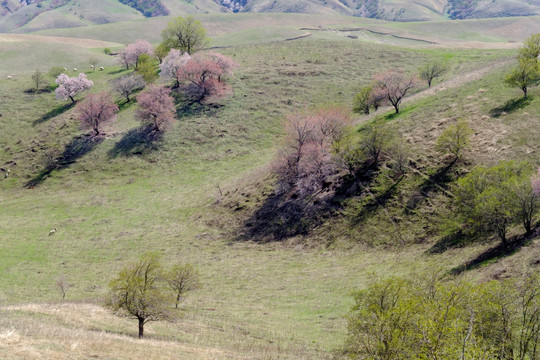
(69, 87)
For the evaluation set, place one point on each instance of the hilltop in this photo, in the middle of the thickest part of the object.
(17, 16)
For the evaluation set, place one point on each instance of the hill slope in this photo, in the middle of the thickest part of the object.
(48, 14)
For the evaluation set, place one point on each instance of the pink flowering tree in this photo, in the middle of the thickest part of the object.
(393, 86)
(69, 87)
(95, 110)
(204, 76)
(156, 107)
(130, 55)
(171, 64)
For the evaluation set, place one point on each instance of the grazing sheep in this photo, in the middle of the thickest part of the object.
(74, 69)
(65, 69)
(53, 231)
(92, 66)
(9, 77)
(101, 68)
(7, 173)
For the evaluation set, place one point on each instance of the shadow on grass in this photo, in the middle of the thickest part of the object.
(137, 141)
(432, 184)
(510, 106)
(77, 148)
(288, 214)
(114, 72)
(455, 239)
(53, 113)
(187, 107)
(45, 90)
(377, 202)
(283, 215)
(497, 252)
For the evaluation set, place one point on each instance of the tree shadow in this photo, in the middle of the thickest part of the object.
(497, 252)
(114, 72)
(187, 107)
(284, 215)
(53, 113)
(45, 90)
(510, 106)
(455, 239)
(433, 184)
(377, 202)
(77, 148)
(137, 141)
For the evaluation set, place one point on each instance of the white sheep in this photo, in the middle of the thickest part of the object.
(7, 173)
(101, 68)
(10, 77)
(92, 66)
(74, 69)
(65, 69)
(53, 231)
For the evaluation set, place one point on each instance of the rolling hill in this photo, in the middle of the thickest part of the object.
(49, 14)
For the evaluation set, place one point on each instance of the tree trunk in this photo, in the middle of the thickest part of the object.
(141, 327)
(72, 99)
(177, 301)
(397, 108)
(524, 89)
(429, 83)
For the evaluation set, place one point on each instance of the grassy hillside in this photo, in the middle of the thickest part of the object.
(235, 29)
(188, 195)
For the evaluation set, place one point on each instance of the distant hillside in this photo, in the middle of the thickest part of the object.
(32, 15)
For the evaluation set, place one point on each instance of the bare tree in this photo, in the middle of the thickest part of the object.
(39, 79)
(431, 71)
(394, 85)
(182, 278)
(63, 285)
(127, 85)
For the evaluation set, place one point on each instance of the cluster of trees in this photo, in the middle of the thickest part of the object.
(174, 59)
(390, 87)
(430, 319)
(307, 158)
(145, 291)
(321, 145)
(490, 200)
(527, 71)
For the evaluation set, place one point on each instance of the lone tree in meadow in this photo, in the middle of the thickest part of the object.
(127, 85)
(524, 75)
(95, 110)
(68, 87)
(155, 107)
(454, 139)
(204, 75)
(431, 71)
(39, 80)
(394, 85)
(182, 278)
(139, 292)
(185, 34)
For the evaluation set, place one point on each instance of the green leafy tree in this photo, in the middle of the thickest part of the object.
(182, 278)
(524, 75)
(55, 71)
(161, 51)
(362, 100)
(139, 292)
(185, 34)
(454, 139)
(431, 71)
(148, 68)
(489, 198)
(531, 48)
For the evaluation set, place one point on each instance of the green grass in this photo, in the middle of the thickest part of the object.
(279, 300)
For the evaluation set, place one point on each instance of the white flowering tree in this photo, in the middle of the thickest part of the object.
(69, 87)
